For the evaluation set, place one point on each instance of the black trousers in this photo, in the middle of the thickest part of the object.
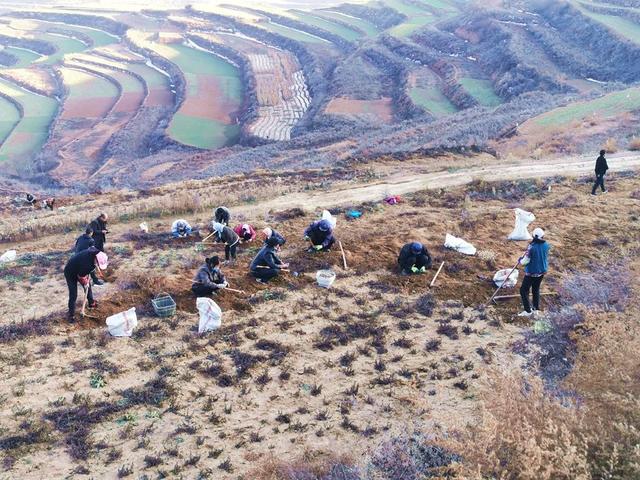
(265, 274)
(202, 290)
(72, 285)
(599, 182)
(418, 261)
(231, 251)
(533, 284)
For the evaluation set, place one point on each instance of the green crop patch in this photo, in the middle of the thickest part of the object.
(432, 99)
(481, 90)
(329, 26)
(9, 118)
(368, 28)
(203, 133)
(25, 57)
(64, 45)
(622, 26)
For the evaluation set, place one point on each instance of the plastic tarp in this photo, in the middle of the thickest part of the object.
(122, 324)
(8, 256)
(523, 220)
(210, 314)
(459, 245)
(500, 278)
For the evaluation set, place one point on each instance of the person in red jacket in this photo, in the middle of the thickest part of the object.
(246, 232)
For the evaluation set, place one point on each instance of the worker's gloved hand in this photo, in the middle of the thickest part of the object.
(318, 247)
(414, 269)
(423, 270)
(306, 237)
(224, 285)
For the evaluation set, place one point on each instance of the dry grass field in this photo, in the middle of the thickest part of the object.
(307, 376)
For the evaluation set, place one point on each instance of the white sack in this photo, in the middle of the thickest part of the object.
(523, 219)
(122, 324)
(210, 314)
(326, 215)
(144, 227)
(501, 277)
(8, 256)
(459, 245)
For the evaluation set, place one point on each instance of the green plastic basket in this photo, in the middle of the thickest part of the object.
(164, 305)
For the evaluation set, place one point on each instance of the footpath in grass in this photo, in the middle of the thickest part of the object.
(32, 131)
(214, 93)
(604, 107)
(482, 91)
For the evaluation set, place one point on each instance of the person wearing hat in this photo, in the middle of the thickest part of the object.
(535, 262)
(246, 232)
(601, 171)
(222, 215)
(414, 258)
(320, 234)
(209, 278)
(268, 233)
(266, 265)
(78, 269)
(180, 229)
(224, 234)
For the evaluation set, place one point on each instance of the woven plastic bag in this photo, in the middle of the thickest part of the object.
(459, 245)
(8, 256)
(523, 220)
(500, 278)
(210, 314)
(122, 324)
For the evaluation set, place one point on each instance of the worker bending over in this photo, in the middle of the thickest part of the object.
(246, 232)
(268, 233)
(414, 258)
(267, 265)
(180, 229)
(223, 234)
(209, 278)
(83, 242)
(222, 215)
(78, 269)
(320, 234)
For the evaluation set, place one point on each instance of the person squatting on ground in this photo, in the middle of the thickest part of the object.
(180, 228)
(268, 233)
(601, 171)
(99, 226)
(83, 242)
(320, 234)
(222, 215)
(78, 269)
(31, 200)
(224, 234)
(246, 232)
(209, 278)
(267, 265)
(536, 265)
(414, 258)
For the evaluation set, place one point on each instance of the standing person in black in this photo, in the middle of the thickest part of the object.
(99, 226)
(84, 242)
(78, 269)
(601, 170)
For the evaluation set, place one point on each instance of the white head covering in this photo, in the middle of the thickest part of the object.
(538, 233)
(267, 231)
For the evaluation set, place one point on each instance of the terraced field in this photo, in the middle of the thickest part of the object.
(328, 25)
(368, 110)
(481, 90)
(208, 116)
(368, 28)
(625, 27)
(30, 134)
(25, 57)
(9, 118)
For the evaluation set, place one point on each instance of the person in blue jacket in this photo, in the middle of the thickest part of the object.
(536, 266)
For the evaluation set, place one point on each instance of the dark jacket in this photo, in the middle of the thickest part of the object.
(82, 263)
(100, 238)
(537, 252)
(222, 215)
(317, 236)
(266, 258)
(601, 165)
(209, 277)
(407, 258)
(281, 240)
(83, 242)
(228, 236)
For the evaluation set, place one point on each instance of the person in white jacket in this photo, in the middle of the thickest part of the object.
(180, 229)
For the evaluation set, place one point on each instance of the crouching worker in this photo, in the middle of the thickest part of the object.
(78, 269)
(246, 232)
(224, 234)
(536, 265)
(320, 234)
(209, 278)
(180, 229)
(414, 258)
(267, 265)
(269, 232)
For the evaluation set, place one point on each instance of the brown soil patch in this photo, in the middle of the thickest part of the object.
(381, 109)
(129, 102)
(88, 108)
(159, 97)
(209, 102)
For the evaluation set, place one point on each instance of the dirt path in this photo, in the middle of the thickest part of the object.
(403, 184)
